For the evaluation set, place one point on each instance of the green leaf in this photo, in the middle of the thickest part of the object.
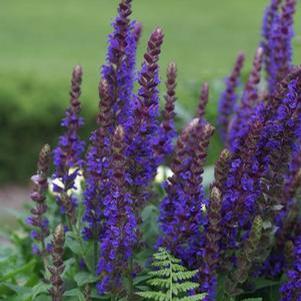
(149, 226)
(26, 268)
(76, 292)
(72, 244)
(83, 278)
(253, 299)
(263, 283)
(208, 176)
(39, 289)
(95, 295)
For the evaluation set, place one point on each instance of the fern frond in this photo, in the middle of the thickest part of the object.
(170, 281)
(160, 282)
(186, 275)
(178, 268)
(157, 296)
(184, 287)
(161, 264)
(160, 273)
(197, 297)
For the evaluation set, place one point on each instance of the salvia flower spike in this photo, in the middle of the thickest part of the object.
(144, 132)
(271, 16)
(97, 164)
(181, 210)
(246, 256)
(38, 219)
(250, 98)
(228, 98)
(68, 154)
(291, 290)
(57, 268)
(208, 269)
(120, 235)
(164, 146)
(119, 68)
(279, 43)
(204, 97)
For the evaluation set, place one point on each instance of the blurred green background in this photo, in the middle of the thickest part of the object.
(42, 40)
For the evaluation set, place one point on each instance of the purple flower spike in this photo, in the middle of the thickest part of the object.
(270, 16)
(208, 268)
(204, 97)
(57, 268)
(181, 211)
(38, 195)
(278, 33)
(68, 154)
(291, 290)
(120, 233)
(164, 146)
(249, 100)
(97, 164)
(120, 66)
(143, 134)
(228, 98)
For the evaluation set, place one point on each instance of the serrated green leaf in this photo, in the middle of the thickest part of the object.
(83, 278)
(26, 268)
(263, 282)
(39, 289)
(72, 244)
(76, 292)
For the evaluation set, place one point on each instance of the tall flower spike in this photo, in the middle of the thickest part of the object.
(57, 268)
(291, 290)
(241, 187)
(97, 164)
(246, 257)
(164, 145)
(38, 195)
(181, 210)
(120, 235)
(249, 100)
(145, 128)
(204, 96)
(280, 44)
(68, 154)
(271, 16)
(228, 98)
(208, 269)
(282, 134)
(119, 68)
(179, 167)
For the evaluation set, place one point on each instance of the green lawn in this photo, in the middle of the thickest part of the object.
(46, 38)
(42, 39)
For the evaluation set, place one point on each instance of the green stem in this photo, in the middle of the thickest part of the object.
(44, 257)
(83, 253)
(130, 278)
(95, 254)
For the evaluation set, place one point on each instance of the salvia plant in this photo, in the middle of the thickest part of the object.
(101, 211)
